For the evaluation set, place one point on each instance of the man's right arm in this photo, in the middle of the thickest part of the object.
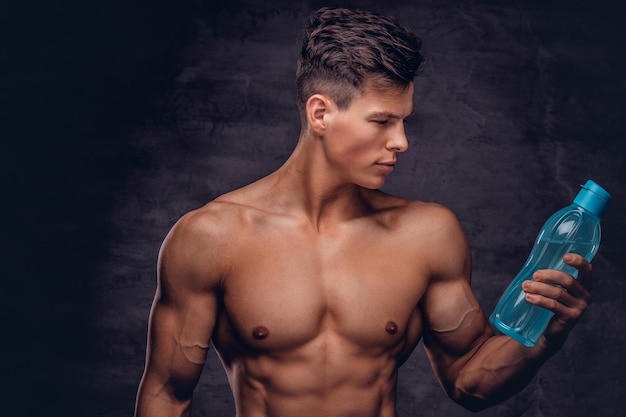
(182, 318)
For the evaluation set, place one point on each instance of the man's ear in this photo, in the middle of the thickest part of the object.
(318, 107)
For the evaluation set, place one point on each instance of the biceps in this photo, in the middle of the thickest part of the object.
(455, 321)
(178, 340)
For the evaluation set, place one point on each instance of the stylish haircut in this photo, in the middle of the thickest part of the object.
(342, 49)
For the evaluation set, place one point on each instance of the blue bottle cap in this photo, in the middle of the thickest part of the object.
(593, 198)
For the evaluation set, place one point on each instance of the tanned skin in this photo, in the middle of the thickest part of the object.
(314, 287)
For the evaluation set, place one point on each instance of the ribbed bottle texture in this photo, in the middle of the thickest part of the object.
(573, 229)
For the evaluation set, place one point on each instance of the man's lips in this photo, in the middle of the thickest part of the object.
(386, 166)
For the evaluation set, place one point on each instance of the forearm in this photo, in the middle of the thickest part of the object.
(497, 369)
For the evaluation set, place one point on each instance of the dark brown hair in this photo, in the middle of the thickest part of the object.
(341, 49)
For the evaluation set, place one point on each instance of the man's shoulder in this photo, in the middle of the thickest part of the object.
(421, 213)
(215, 216)
(224, 215)
(204, 236)
(434, 231)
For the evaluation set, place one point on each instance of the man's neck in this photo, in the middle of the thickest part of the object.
(307, 184)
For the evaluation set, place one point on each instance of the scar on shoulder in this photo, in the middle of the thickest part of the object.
(391, 327)
(260, 332)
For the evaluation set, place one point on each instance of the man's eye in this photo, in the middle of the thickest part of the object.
(381, 122)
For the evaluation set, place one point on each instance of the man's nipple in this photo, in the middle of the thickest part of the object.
(391, 327)
(260, 332)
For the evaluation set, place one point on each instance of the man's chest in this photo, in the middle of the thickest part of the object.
(285, 293)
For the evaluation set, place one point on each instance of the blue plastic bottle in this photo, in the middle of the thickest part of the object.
(573, 229)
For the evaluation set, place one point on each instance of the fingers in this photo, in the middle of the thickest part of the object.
(557, 299)
(583, 266)
(554, 284)
(577, 287)
(560, 292)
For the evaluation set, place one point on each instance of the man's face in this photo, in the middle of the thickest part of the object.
(363, 141)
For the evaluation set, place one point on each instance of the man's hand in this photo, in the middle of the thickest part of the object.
(562, 294)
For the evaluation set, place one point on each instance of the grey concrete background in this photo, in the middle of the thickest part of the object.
(129, 114)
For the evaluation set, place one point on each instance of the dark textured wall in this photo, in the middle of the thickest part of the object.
(132, 114)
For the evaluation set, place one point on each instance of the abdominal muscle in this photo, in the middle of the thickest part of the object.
(319, 379)
(337, 361)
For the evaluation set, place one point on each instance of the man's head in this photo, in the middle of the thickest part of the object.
(343, 49)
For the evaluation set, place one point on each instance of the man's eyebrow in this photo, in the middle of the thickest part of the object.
(386, 114)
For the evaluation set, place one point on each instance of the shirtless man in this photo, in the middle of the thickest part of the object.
(313, 285)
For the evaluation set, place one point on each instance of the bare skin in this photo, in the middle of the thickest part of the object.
(314, 287)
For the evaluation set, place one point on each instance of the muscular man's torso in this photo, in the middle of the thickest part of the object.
(317, 321)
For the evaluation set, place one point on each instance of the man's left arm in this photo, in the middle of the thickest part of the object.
(475, 367)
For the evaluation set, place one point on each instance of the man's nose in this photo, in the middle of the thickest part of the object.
(397, 141)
